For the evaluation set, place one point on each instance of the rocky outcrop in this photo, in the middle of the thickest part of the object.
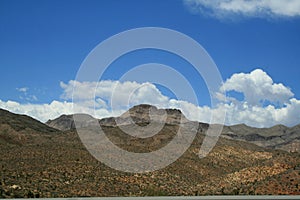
(145, 114)
(66, 122)
(141, 114)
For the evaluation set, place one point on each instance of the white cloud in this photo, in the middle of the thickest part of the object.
(258, 86)
(265, 103)
(44, 112)
(22, 89)
(259, 116)
(107, 93)
(280, 106)
(90, 95)
(24, 94)
(33, 98)
(249, 8)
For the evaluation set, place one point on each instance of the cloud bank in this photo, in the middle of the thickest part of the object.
(264, 102)
(251, 9)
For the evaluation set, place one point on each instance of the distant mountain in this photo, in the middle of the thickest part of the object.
(63, 123)
(138, 114)
(144, 114)
(276, 137)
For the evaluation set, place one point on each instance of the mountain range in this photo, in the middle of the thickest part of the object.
(49, 160)
(276, 137)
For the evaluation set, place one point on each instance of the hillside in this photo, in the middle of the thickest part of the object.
(21, 122)
(19, 129)
(276, 137)
(58, 165)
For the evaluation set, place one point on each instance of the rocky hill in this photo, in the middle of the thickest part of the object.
(53, 163)
(18, 129)
(141, 114)
(66, 122)
(22, 122)
(276, 137)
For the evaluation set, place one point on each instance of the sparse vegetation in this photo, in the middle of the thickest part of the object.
(39, 163)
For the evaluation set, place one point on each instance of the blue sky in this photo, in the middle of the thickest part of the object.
(43, 43)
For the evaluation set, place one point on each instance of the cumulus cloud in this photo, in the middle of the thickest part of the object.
(104, 99)
(44, 112)
(265, 103)
(112, 93)
(254, 8)
(257, 88)
(263, 116)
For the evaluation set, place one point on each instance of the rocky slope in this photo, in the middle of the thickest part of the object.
(66, 122)
(22, 122)
(19, 129)
(276, 137)
(56, 164)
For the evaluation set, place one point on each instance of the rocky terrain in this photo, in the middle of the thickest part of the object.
(41, 161)
(137, 114)
(276, 137)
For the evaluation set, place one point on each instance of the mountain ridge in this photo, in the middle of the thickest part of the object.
(276, 137)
